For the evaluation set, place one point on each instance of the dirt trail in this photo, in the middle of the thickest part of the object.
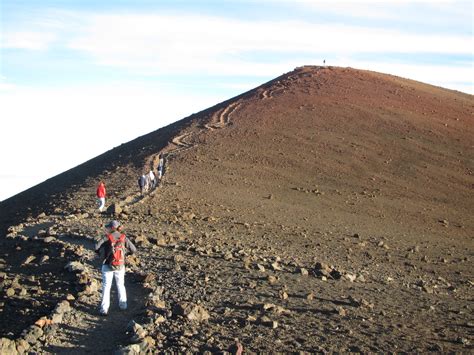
(85, 331)
(221, 118)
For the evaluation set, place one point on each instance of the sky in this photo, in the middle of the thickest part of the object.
(80, 77)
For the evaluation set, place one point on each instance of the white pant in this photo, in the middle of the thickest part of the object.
(101, 203)
(108, 275)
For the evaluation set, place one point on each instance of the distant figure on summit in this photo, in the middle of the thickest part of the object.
(112, 249)
(101, 195)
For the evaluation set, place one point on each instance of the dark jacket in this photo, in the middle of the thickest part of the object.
(104, 249)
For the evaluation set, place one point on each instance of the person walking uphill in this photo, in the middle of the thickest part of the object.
(112, 250)
(101, 195)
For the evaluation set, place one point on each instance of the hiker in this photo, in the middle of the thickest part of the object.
(152, 177)
(142, 183)
(161, 164)
(147, 182)
(101, 195)
(112, 250)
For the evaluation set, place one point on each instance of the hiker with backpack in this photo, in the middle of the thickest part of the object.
(112, 250)
(101, 195)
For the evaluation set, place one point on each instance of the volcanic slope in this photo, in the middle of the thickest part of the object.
(329, 209)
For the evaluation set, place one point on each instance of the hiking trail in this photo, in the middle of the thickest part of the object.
(221, 118)
(83, 329)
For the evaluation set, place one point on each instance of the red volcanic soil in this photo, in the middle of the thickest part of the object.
(329, 209)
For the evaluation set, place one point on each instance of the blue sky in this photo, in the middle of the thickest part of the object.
(79, 77)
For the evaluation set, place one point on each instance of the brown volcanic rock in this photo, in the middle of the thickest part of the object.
(339, 174)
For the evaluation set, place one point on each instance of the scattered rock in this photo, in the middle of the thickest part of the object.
(58, 313)
(276, 266)
(91, 287)
(7, 347)
(272, 279)
(29, 259)
(463, 341)
(138, 332)
(267, 322)
(156, 303)
(75, 266)
(43, 322)
(161, 242)
(22, 346)
(148, 278)
(341, 311)
(178, 258)
(191, 311)
(142, 241)
(350, 277)
(32, 334)
(133, 349)
(427, 289)
(444, 222)
(322, 269)
(188, 216)
(303, 271)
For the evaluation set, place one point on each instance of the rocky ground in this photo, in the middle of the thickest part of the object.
(303, 216)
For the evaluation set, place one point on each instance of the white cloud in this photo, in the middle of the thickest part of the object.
(451, 77)
(184, 44)
(28, 40)
(435, 13)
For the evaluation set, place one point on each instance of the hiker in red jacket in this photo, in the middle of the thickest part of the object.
(112, 250)
(101, 195)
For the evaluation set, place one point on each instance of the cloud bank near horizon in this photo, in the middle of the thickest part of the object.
(151, 45)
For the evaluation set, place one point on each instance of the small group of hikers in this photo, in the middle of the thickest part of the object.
(146, 183)
(114, 246)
